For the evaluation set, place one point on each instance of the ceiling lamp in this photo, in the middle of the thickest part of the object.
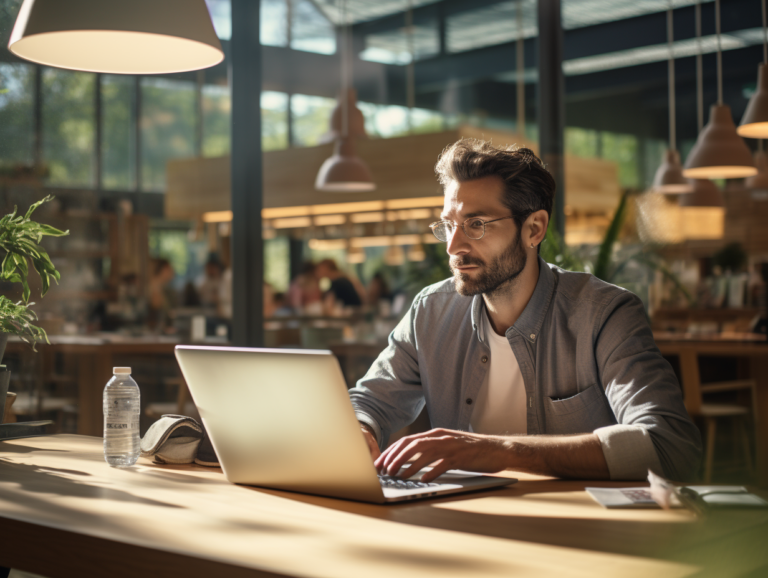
(754, 124)
(758, 184)
(702, 214)
(344, 171)
(705, 194)
(719, 152)
(669, 176)
(117, 37)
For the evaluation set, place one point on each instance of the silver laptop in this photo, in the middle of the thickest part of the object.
(283, 419)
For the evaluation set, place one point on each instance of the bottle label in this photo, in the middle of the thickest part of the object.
(121, 414)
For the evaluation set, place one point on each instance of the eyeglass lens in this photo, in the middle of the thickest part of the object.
(473, 228)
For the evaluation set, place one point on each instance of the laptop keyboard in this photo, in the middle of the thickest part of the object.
(390, 482)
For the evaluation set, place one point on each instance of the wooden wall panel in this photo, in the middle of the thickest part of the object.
(402, 168)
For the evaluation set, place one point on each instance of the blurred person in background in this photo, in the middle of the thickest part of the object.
(208, 285)
(162, 297)
(304, 291)
(342, 290)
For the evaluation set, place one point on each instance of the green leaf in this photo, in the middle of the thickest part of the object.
(602, 265)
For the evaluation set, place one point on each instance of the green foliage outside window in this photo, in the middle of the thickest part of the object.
(118, 149)
(167, 127)
(16, 114)
(69, 127)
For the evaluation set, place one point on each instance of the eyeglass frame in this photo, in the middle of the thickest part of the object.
(436, 223)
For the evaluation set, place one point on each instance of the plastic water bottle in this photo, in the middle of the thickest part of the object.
(121, 419)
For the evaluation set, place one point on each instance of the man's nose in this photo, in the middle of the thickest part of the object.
(458, 242)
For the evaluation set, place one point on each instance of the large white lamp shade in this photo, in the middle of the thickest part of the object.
(117, 36)
(719, 152)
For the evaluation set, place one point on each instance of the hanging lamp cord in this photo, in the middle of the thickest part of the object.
(520, 71)
(765, 36)
(699, 70)
(671, 75)
(345, 71)
(719, 56)
(410, 70)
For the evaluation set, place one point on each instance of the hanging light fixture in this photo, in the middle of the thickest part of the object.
(719, 152)
(669, 177)
(344, 171)
(754, 123)
(117, 37)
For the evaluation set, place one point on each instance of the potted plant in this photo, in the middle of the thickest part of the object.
(19, 246)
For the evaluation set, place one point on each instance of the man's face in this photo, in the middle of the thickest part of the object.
(492, 263)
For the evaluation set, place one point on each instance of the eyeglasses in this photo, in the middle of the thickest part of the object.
(473, 227)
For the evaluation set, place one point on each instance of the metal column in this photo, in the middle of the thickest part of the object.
(247, 245)
(551, 105)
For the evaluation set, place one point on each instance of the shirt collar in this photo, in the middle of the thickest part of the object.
(532, 318)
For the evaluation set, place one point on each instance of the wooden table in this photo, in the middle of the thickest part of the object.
(689, 350)
(64, 512)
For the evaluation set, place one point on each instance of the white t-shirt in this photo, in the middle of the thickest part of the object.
(500, 406)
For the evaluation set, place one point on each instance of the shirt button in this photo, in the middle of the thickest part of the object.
(484, 359)
(533, 336)
(469, 401)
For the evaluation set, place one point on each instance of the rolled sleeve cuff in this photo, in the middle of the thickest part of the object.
(629, 451)
(370, 422)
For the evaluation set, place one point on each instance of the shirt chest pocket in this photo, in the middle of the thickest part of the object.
(582, 413)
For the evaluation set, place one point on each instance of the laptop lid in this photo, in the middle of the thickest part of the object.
(281, 419)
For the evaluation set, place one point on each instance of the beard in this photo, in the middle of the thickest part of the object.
(500, 274)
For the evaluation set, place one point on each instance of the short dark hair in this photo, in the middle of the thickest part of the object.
(528, 186)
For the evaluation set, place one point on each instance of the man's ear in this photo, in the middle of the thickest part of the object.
(536, 228)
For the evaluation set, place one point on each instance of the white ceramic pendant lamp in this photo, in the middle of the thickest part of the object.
(344, 171)
(117, 36)
(669, 177)
(754, 123)
(719, 152)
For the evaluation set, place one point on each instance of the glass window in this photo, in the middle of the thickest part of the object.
(167, 127)
(221, 16)
(276, 263)
(16, 114)
(390, 121)
(170, 244)
(118, 159)
(393, 47)
(274, 120)
(311, 31)
(274, 22)
(69, 127)
(311, 118)
(489, 26)
(9, 9)
(217, 112)
(623, 149)
(582, 142)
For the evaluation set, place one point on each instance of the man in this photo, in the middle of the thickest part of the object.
(520, 364)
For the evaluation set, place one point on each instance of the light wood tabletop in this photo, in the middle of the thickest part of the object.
(64, 512)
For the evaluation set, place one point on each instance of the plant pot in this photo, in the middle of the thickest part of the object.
(8, 415)
(3, 343)
(5, 377)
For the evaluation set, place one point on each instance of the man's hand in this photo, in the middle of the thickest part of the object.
(566, 456)
(371, 441)
(446, 449)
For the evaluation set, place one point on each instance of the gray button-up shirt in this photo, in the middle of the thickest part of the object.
(588, 360)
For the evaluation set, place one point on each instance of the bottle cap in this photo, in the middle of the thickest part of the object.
(121, 371)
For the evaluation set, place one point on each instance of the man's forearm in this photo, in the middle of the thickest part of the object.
(571, 456)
